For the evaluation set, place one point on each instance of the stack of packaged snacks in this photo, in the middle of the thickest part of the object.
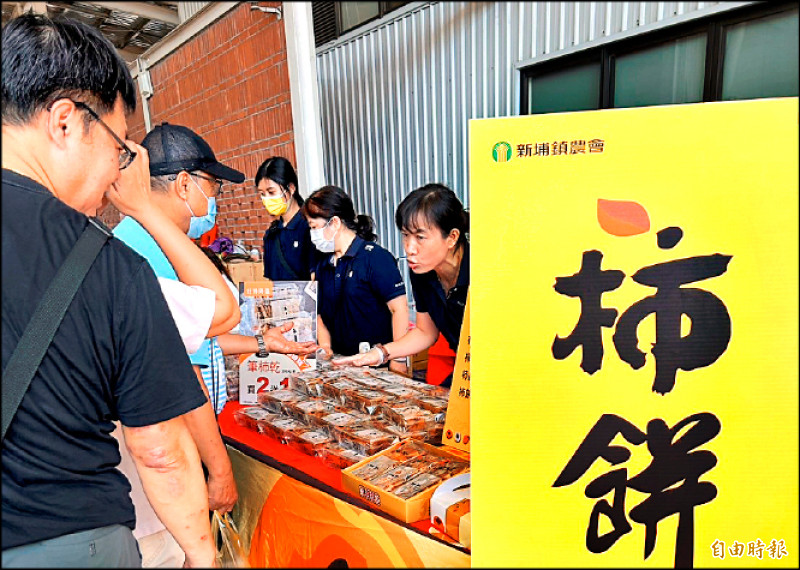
(408, 470)
(251, 416)
(345, 414)
(278, 401)
(232, 378)
(340, 457)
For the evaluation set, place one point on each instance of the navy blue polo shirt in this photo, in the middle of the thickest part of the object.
(445, 310)
(295, 242)
(353, 295)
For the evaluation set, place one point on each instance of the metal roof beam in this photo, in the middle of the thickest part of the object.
(142, 9)
(36, 7)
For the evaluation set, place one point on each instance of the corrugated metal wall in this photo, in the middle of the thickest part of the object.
(188, 9)
(396, 99)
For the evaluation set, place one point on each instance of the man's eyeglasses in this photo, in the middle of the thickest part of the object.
(127, 156)
(215, 181)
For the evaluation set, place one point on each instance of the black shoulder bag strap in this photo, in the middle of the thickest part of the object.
(44, 323)
(282, 258)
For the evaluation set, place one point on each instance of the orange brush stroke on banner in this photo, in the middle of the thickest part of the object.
(622, 217)
(300, 527)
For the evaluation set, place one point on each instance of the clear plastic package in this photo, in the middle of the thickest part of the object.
(366, 440)
(411, 417)
(416, 485)
(403, 393)
(277, 400)
(394, 477)
(309, 442)
(371, 382)
(340, 457)
(432, 391)
(307, 383)
(250, 416)
(366, 400)
(282, 428)
(432, 404)
(448, 468)
(374, 468)
(339, 389)
(311, 410)
(402, 433)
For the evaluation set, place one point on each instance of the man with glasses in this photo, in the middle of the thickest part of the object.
(117, 352)
(185, 178)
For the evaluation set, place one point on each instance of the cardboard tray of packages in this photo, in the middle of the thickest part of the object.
(407, 510)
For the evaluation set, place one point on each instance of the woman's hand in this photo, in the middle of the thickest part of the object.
(276, 342)
(369, 358)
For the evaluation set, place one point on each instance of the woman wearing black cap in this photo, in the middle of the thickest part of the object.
(289, 254)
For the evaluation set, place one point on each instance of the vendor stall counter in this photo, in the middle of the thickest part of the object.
(293, 512)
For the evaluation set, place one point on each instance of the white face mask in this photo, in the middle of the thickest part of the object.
(319, 241)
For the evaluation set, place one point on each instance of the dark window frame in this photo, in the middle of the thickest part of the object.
(383, 9)
(605, 55)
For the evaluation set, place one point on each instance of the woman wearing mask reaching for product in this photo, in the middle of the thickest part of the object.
(289, 254)
(361, 296)
(434, 226)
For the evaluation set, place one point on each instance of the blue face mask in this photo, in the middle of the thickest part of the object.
(200, 225)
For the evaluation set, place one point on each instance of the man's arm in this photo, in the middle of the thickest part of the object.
(169, 468)
(202, 424)
(273, 339)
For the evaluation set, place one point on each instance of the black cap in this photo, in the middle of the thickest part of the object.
(173, 148)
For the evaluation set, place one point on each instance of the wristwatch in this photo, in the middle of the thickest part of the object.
(383, 352)
(262, 347)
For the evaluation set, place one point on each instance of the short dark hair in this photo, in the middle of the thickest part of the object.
(437, 205)
(48, 59)
(330, 201)
(281, 172)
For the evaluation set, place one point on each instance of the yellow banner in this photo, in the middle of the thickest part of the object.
(456, 431)
(636, 330)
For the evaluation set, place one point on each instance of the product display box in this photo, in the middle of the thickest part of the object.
(269, 304)
(412, 509)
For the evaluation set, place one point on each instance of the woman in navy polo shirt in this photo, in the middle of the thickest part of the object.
(434, 226)
(289, 254)
(362, 297)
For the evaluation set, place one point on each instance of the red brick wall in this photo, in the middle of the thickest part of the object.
(230, 84)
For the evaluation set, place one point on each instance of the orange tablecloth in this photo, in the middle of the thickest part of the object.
(302, 487)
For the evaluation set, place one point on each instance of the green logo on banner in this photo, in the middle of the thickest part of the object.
(501, 152)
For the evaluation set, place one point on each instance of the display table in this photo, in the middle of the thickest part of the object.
(293, 512)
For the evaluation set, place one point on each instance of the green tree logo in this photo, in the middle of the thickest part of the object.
(501, 152)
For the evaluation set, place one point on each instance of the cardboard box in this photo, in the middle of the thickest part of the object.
(242, 271)
(450, 503)
(416, 508)
(465, 530)
(270, 373)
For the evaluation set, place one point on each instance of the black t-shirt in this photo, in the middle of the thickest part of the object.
(445, 310)
(116, 355)
(353, 295)
(295, 242)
